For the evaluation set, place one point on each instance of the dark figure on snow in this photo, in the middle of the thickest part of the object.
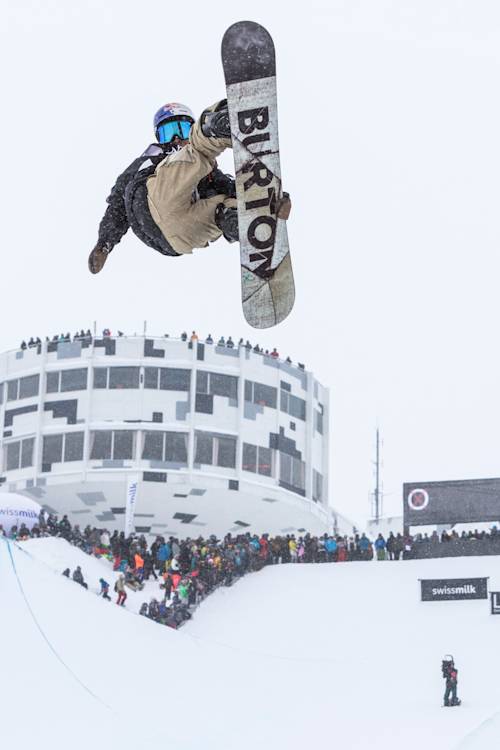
(78, 577)
(450, 674)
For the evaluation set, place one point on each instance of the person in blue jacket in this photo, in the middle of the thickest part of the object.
(104, 589)
(331, 548)
(380, 547)
(364, 546)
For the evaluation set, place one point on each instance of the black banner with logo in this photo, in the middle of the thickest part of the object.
(460, 501)
(446, 589)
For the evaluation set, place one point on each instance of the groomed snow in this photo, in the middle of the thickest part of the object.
(293, 656)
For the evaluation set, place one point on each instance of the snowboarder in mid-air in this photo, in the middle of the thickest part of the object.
(450, 674)
(173, 196)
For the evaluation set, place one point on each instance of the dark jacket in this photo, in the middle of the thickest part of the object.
(128, 201)
(450, 673)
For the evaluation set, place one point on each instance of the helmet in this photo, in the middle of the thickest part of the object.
(171, 113)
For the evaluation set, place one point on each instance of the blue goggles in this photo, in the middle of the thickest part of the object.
(167, 131)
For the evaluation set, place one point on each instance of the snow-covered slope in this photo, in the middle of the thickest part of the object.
(293, 656)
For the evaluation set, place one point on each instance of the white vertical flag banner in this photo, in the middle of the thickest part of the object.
(131, 499)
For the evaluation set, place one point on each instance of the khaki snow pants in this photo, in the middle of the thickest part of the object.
(184, 224)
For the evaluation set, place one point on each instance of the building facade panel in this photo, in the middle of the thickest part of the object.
(217, 438)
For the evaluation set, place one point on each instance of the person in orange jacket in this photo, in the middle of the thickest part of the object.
(139, 566)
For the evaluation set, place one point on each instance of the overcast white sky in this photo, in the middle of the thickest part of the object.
(389, 126)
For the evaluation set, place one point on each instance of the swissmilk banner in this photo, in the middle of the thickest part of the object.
(457, 501)
(446, 589)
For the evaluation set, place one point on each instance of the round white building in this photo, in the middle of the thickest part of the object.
(164, 436)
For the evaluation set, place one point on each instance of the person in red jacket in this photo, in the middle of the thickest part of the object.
(450, 674)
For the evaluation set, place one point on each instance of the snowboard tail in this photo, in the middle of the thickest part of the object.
(267, 284)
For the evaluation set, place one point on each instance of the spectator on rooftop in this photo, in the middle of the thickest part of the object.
(209, 339)
(184, 336)
(23, 345)
(275, 353)
(221, 341)
(194, 337)
(230, 343)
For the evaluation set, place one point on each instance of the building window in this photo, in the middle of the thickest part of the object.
(165, 446)
(167, 378)
(225, 452)
(52, 382)
(215, 384)
(318, 421)
(73, 446)
(65, 447)
(123, 445)
(257, 459)
(18, 454)
(23, 387)
(101, 443)
(215, 450)
(66, 380)
(151, 377)
(29, 387)
(100, 377)
(12, 390)
(124, 377)
(317, 493)
(52, 452)
(152, 447)
(116, 445)
(204, 449)
(74, 380)
(293, 405)
(263, 395)
(1, 394)
(292, 473)
(174, 379)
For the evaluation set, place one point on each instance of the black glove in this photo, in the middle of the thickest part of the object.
(98, 256)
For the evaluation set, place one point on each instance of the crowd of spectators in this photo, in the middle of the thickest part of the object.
(81, 335)
(228, 342)
(187, 570)
(453, 544)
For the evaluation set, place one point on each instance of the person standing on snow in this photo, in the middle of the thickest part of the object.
(120, 590)
(450, 674)
(104, 592)
(173, 197)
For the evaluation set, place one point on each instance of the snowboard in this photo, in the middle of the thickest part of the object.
(267, 285)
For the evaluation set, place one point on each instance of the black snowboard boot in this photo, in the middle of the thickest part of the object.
(227, 221)
(215, 123)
